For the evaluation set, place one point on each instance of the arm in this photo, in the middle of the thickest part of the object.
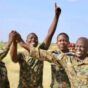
(51, 31)
(13, 52)
(40, 54)
(7, 47)
(52, 28)
(21, 42)
(45, 55)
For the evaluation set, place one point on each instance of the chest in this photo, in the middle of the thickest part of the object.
(79, 67)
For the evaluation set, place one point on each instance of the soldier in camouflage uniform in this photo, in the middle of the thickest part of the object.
(31, 70)
(4, 82)
(59, 76)
(76, 66)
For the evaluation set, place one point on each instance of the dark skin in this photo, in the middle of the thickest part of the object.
(7, 46)
(81, 48)
(81, 51)
(47, 40)
(62, 43)
(51, 31)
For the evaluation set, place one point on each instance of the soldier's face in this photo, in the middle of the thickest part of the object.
(62, 43)
(32, 40)
(81, 48)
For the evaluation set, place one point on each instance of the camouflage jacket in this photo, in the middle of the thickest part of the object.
(31, 70)
(4, 82)
(59, 76)
(77, 71)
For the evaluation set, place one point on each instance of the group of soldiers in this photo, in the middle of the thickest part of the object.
(68, 69)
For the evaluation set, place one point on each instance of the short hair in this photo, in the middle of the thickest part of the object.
(32, 34)
(66, 35)
(83, 39)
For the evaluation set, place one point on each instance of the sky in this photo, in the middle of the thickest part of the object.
(26, 16)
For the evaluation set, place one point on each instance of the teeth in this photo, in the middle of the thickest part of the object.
(78, 52)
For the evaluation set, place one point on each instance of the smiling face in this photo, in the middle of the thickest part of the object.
(32, 39)
(81, 47)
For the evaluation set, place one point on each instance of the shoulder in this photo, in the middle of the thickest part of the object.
(70, 54)
(58, 54)
(43, 46)
(23, 54)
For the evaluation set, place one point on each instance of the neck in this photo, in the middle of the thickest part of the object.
(65, 51)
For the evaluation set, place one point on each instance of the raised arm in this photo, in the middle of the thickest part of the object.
(7, 47)
(52, 28)
(50, 34)
(21, 42)
(13, 51)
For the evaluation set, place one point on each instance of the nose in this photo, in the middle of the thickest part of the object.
(62, 42)
(33, 39)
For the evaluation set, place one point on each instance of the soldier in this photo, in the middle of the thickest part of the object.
(59, 76)
(31, 70)
(76, 66)
(4, 82)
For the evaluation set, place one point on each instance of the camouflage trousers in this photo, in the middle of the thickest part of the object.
(4, 82)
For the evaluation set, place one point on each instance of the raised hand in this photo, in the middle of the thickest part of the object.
(18, 37)
(12, 35)
(57, 10)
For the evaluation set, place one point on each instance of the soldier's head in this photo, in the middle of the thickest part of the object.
(62, 42)
(81, 47)
(32, 39)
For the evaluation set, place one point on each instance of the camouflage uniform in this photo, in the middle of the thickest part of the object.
(59, 76)
(4, 83)
(77, 71)
(31, 70)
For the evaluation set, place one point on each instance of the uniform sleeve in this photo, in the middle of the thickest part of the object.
(44, 55)
(3, 54)
(52, 57)
(63, 59)
(40, 54)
